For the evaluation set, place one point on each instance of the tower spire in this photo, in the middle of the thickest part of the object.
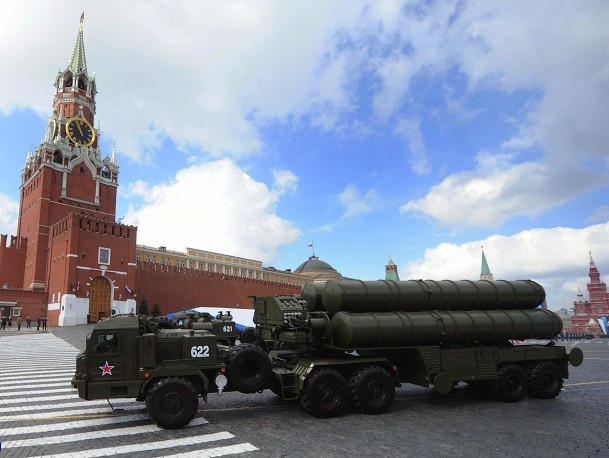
(591, 260)
(78, 62)
(485, 272)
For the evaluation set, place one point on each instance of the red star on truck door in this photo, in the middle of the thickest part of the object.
(106, 369)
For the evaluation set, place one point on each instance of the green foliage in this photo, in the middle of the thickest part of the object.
(156, 311)
(143, 310)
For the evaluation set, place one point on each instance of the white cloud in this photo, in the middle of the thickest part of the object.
(9, 210)
(356, 204)
(213, 206)
(285, 182)
(410, 130)
(553, 257)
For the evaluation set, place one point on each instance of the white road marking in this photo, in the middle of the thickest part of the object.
(100, 434)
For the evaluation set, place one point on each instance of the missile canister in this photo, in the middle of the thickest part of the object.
(427, 295)
(312, 294)
(395, 329)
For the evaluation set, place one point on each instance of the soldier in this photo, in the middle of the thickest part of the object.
(10, 323)
(3, 325)
(39, 323)
(44, 323)
(28, 322)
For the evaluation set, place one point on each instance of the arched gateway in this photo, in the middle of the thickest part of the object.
(100, 299)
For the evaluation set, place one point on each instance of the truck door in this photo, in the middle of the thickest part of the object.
(107, 359)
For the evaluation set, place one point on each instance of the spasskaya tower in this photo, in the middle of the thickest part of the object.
(66, 173)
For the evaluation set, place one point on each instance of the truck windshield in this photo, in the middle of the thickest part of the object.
(105, 343)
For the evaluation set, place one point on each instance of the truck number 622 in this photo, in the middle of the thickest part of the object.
(199, 351)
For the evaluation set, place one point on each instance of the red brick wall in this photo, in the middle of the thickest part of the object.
(12, 262)
(177, 289)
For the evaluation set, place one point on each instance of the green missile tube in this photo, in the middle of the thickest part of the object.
(312, 292)
(427, 295)
(396, 329)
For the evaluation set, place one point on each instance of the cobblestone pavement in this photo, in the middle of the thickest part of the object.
(41, 415)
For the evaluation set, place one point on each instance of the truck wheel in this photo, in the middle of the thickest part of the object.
(172, 403)
(248, 367)
(545, 380)
(372, 390)
(511, 383)
(324, 393)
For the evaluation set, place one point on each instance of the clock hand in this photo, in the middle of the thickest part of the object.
(80, 129)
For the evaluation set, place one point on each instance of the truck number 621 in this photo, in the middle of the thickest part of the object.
(199, 351)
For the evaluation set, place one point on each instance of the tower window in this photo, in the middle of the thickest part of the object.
(57, 157)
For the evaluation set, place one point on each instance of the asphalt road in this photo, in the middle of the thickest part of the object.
(41, 415)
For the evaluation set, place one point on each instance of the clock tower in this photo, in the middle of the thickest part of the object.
(66, 173)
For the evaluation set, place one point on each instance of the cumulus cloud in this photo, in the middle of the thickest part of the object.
(531, 254)
(212, 206)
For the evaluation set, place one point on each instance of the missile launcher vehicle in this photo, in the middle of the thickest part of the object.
(351, 341)
(339, 343)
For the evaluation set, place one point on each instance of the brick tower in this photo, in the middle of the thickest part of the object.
(75, 251)
(65, 173)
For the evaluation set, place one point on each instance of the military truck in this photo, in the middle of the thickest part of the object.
(128, 356)
(356, 341)
(342, 342)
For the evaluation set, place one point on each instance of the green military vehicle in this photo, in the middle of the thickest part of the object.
(128, 356)
(342, 342)
(355, 341)
(222, 325)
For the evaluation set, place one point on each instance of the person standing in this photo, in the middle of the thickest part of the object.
(39, 323)
(10, 323)
(28, 322)
(18, 323)
(3, 323)
(44, 323)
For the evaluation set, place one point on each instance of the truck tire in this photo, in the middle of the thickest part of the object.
(172, 403)
(372, 390)
(511, 383)
(545, 380)
(248, 368)
(325, 393)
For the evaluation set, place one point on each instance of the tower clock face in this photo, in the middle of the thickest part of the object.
(80, 132)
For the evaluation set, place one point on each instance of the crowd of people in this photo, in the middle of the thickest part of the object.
(7, 322)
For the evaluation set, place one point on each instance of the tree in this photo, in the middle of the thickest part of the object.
(143, 310)
(156, 311)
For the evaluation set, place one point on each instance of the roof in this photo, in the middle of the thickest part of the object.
(78, 62)
(318, 269)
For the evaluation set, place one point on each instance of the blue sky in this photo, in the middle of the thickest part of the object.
(420, 130)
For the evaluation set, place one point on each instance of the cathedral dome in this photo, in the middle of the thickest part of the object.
(317, 270)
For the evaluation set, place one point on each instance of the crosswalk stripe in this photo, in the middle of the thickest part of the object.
(79, 413)
(81, 424)
(157, 445)
(65, 405)
(100, 434)
(64, 388)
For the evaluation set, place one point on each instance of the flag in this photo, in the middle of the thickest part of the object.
(78, 286)
(310, 245)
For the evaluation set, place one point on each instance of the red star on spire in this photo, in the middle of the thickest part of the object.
(106, 369)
